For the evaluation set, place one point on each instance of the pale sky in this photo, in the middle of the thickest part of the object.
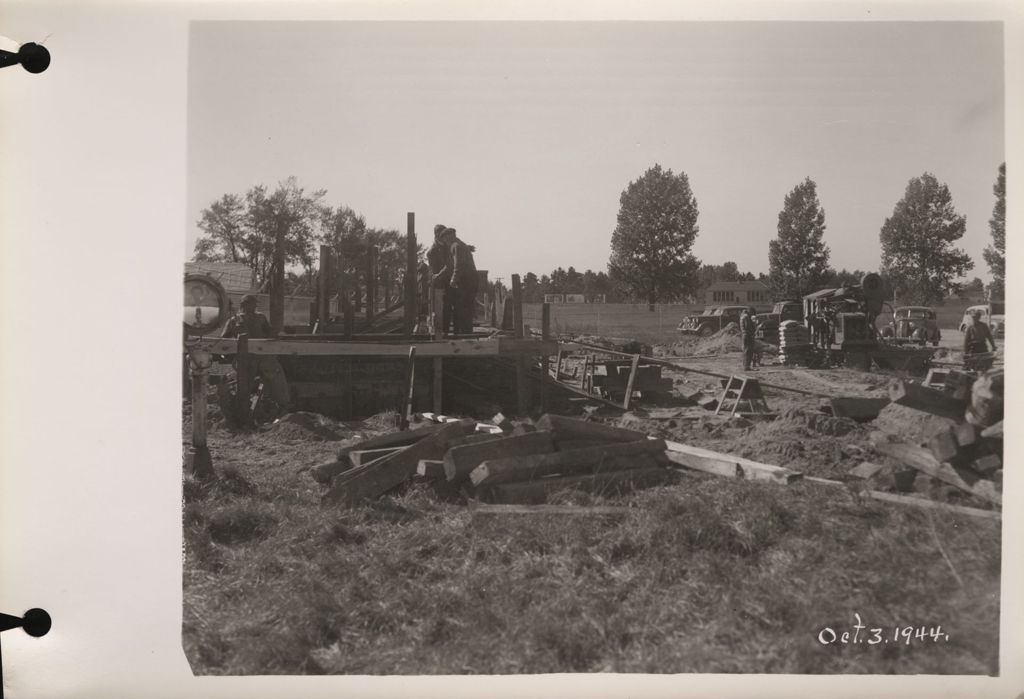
(523, 135)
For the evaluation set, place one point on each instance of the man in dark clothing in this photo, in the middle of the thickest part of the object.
(748, 331)
(254, 324)
(440, 264)
(977, 338)
(464, 283)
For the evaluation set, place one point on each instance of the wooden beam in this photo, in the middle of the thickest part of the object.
(371, 283)
(411, 311)
(323, 312)
(460, 461)
(401, 439)
(410, 385)
(912, 501)
(537, 492)
(922, 460)
(631, 382)
(430, 468)
(360, 457)
(928, 400)
(570, 428)
(243, 384)
(437, 313)
(378, 477)
(608, 457)
(728, 465)
(447, 348)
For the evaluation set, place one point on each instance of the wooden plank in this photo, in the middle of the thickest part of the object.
(430, 468)
(410, 385)
(913, 501)
(859, 409)
(461, 460)
(537, 492)
(728, 465)
(571, 428)
(570, 444)
(378, 477)
(928, 400)
(922, 460)
(629, 384)
(360, 457)
(323, 312)
(400, 439)
(590, 510)
(476, 438)
(620, 456)
(437, 314)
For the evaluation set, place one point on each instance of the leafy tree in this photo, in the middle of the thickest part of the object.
(657, 224)
(917, 243)
(798, 257)
(224, 223)
(843, 278)
(995, 254)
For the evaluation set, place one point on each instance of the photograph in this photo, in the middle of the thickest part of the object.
(530, 347)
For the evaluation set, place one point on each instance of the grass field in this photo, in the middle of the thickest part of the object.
(703, 575)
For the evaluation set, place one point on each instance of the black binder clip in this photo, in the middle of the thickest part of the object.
(35, 622)
(33, 57)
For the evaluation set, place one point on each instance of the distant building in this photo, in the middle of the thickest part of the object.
(575, 298)
(737, 293)
(554, 298)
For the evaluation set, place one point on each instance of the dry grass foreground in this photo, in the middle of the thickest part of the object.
(705, 575)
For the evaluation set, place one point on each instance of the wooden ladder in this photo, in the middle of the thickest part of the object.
(742, 389)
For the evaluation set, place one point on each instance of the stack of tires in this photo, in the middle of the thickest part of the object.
(794, 342)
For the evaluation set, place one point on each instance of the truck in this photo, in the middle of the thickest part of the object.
(768, 323)
(713, 319)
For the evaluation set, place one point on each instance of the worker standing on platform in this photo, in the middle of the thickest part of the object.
(748, 331)
(254, 324)
(464, 283)
(440, 263)
(977, 338)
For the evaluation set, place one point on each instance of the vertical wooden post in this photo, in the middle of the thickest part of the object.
(522, 362)
(243, 369)
(411, 312)
(410, 375)
(277, 284)
(346, 307)
(323, 313)
(545, 333)
(629, 384)
(493, 305)
(437, 313)
(371, 284)
(199, 462)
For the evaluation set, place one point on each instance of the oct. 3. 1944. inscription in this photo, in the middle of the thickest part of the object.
(860, 633)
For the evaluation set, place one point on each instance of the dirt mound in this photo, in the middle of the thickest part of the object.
(308, 427)
(725, 340)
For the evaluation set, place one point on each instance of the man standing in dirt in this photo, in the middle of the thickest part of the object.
(977, 338)
(254, 324)
(440, 264)
(748, 331)
(464, 283)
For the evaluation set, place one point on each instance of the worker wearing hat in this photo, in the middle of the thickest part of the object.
(255, 325)
(464, 282)
(977, 338)
(748, 332)
(439, 263)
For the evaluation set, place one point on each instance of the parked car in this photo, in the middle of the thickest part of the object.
(994, 314)
(713, 319)
(768, 323)
(913, 324)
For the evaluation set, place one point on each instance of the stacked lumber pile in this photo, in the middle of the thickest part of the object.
(499, 462)
(966, 452)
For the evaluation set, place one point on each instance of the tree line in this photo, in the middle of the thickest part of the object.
(657, 225)
(651, 259)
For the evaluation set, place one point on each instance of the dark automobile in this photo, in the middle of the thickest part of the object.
(913, 324)
(711, 320)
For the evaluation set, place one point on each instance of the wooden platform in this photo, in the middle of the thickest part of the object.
(490, 347)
